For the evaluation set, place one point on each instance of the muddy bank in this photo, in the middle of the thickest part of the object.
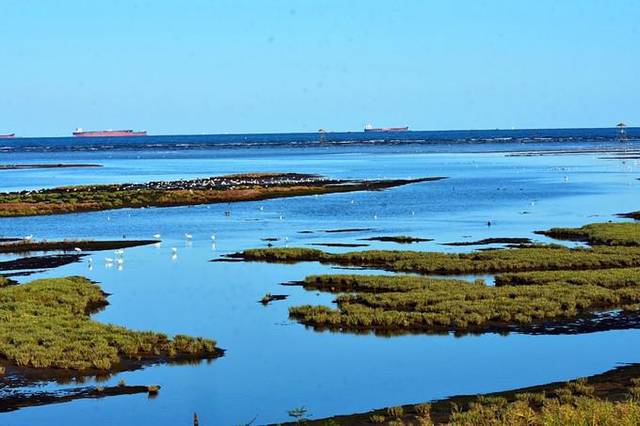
(336, 231)
(40, 262)
(12, 401)
(400, 239)
(46, 166)
(25, 246)
(487, 241)
(613, 385)
(217, 189)
(353, 245)
(631, 215)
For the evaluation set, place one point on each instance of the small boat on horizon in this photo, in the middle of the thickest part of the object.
(370, 128)
(7, 135)
(79, 132)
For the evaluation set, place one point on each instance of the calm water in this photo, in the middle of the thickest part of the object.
(273, 364)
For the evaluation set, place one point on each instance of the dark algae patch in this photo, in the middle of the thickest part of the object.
(217, 189)
(610, 398)
(400, 239)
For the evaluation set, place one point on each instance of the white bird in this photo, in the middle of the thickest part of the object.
(213, 237)
(174, 250)
(77, 249)
(261, 208)
(119, 261)
(108, 260)
(188, 236)
(28, 237)
(156, 236)
(90, 260)
(281, 217)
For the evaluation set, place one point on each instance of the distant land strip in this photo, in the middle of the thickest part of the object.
(217, 189)
(46, 166)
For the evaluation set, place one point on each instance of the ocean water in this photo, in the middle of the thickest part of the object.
(273, 364)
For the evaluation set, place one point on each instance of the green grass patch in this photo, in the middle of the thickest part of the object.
(609, 278)
(405, 304)
(611, 234)
(46, 324)
(490, 261)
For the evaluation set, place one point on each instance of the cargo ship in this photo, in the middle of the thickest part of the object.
(7, 135)
(370, 128)
(107, 133)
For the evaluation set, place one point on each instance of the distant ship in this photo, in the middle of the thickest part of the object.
(7, 136)
(370, 128)
(107, 133)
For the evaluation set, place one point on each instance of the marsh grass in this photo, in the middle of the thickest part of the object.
(548, 257)
(609, 399)
(231, 188)
(612, 234)
(46, 324)
(409, 303)
(609, 278)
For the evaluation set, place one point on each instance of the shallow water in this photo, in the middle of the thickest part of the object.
(273, 364)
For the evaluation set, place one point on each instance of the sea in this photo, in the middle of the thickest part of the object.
(518, 180)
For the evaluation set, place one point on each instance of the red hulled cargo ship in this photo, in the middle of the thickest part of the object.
(107, 133)
(370, 128)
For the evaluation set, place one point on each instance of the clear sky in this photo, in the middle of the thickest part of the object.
(187, 67)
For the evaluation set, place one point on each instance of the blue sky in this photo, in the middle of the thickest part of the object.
(188, 67)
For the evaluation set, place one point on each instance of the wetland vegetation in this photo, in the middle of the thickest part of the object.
(533, 258)
(609, 399)
(536, 285)
(220, 189)
(399, 304)
(46, 324)
(611, 234)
